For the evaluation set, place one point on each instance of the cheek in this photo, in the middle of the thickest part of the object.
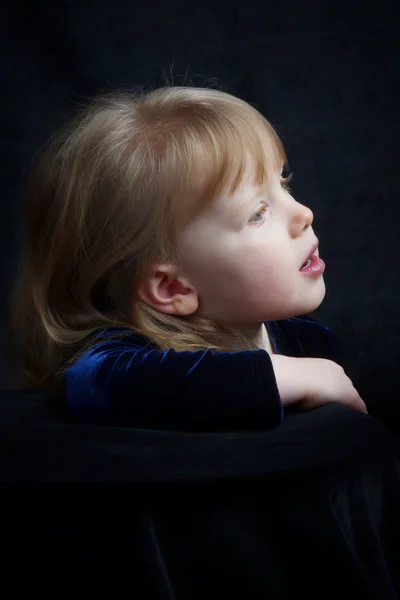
(229, 270)
(269, 281)
(245, 273)
(267, 273)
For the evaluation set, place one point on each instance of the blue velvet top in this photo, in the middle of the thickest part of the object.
(128, 382)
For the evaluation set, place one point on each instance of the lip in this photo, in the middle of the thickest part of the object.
(313, 249)
(316, 267)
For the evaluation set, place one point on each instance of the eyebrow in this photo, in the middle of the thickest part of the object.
(240, 208)
(258, 193)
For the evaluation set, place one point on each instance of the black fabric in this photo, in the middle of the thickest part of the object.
(173, 515)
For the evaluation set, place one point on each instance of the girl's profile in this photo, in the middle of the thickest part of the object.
(169, 271)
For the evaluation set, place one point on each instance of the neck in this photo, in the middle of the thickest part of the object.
(258, 335)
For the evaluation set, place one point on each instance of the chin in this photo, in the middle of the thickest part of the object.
(311, 302)
(315, 297)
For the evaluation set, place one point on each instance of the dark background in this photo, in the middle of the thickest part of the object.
(325, 74)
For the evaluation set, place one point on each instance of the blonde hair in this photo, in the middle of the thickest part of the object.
(105, 200)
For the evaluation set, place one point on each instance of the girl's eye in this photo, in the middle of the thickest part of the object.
(259, 215)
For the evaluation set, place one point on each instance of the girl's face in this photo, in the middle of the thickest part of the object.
(244, 255)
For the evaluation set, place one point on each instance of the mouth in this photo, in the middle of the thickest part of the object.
(313, 251)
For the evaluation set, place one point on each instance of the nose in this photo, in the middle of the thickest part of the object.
(301, 218)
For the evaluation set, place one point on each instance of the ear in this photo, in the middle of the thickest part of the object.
(170, 292)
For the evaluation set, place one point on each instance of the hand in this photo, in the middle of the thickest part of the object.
(311, 382)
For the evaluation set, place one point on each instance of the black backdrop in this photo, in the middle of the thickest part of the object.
(325, 74)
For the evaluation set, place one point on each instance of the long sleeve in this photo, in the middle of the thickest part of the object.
(122, 383)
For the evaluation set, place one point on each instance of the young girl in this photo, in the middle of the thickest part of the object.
(167, 269)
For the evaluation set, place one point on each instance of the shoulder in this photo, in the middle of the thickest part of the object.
(104, 344)
(312, 338)
(107, 352)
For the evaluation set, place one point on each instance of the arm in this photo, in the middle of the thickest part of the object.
(120, 384)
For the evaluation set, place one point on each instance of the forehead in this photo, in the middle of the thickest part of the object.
(272, 166)
(249, 188)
